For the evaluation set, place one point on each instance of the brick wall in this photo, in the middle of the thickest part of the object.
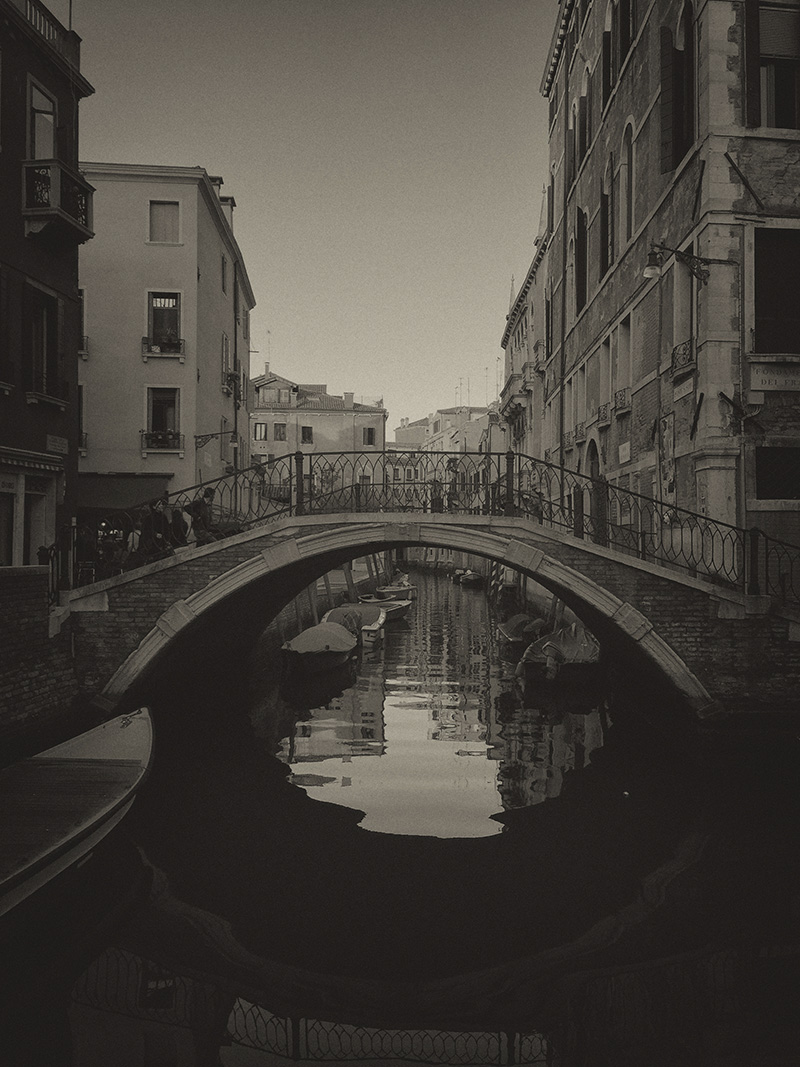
(37, 680)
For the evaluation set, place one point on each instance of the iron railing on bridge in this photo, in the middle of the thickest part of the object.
(103, 543)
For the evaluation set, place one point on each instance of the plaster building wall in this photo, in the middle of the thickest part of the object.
(154, 400)
(669, 153)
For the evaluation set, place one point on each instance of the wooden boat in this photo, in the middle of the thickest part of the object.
(60, 804)
(364, 620)
(320, 648)
(517, 632)
(572, 651)
(397, 592)
(395, 609)
(471, 578)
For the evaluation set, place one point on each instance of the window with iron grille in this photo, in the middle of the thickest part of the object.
(164, 321)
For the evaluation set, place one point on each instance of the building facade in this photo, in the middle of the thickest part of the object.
(670, 338)
(47, 215)
(165, 356)
(288, 417)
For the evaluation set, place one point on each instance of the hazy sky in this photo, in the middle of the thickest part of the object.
(386, 156)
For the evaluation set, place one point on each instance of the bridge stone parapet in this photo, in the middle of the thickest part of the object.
(714, 646)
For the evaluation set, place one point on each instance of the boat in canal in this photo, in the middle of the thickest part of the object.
(366, 621)
(571, 652)
(471, 578)
(61, 803)
(395, 609)
(320, 648)
(399, 590)
(517, 632)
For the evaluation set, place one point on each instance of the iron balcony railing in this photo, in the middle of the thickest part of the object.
(604, 415)
(684, 361)
(162, 345)
(161, 440)
(622, 401)
(591, 509)
(54, 191)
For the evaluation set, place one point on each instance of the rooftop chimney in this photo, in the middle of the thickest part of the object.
(348, 399)
(227, 204)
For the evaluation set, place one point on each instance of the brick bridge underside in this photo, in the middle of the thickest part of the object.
(714, 648)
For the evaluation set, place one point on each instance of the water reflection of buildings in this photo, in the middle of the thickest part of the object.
(536, 751)
(351, 724)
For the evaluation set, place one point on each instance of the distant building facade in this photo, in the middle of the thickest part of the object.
(668, 322)
(47, 215)
(289, 417)
(166, 306)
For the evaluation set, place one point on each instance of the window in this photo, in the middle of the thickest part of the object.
(779, 60)
(163, 426)
(777, 283)
(164, 321)
(307, 435)
(245, 323)
(626, 184)
(164, 222)
(369, 435)
(778, 473)
(279, 431)
(607, 219)
(40, 325)
(580, 261)
(42, 129)
(609, 51)
(260, 431)
(225, 360)
(677, 100)
(224, 274)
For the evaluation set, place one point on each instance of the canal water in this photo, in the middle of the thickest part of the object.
(421, 862)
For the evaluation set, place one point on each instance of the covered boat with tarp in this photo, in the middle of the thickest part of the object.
(320, 648)
(517, 632)
(571, 651)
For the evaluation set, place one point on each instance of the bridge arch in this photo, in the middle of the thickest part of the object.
(280, 568)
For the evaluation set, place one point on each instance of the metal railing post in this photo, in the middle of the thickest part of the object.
(577, 512)
(508, 509)
(300, 488)
(753, 586)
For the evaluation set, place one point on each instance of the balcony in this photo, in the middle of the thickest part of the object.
(46, 388)
(83, 443)
(174, 347)
(567, 440)
(604, 415)
(83, 348)
(684, 360)
(56, 201)
(161, 441)
(622, 402)
(57, 36)
(580, 433)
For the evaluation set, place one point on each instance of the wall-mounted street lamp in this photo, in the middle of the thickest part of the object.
(201, 439)
(696, 264)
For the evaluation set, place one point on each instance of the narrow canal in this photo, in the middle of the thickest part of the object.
(424, 850)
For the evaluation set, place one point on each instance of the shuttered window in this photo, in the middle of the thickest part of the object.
(779, 75)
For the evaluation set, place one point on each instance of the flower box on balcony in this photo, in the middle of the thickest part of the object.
(161, 441)
(56, 200)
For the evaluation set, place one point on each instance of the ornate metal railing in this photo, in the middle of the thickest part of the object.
(683, 359)
(161, 440)
(52, 188)
(105, 544)
(163, 346)
(122, 983)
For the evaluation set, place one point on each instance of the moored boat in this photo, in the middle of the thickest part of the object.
(61, 803)
(471, 578)
(395, 609)
(572, 651)
(320, 648)
(364, 620)
(517, 632)
(397, 592)
(347, 615)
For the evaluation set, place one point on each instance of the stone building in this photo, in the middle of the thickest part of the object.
(668, 326)
(165, 357)
(47, 215)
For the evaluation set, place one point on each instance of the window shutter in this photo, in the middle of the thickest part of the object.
(667, 101)
(611, 220)
(607, 66)
(582, 128)
(603, 233)
(570, 157)
(752, 65)
(779, 31)
(589, 108)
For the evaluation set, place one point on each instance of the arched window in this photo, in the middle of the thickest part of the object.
(581, 262)
(626, 184)
(678, 97)
(610, 51)
(572, 148)
(607, 218)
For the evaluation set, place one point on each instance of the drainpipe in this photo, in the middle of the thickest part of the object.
(564, 239)
(238, 380)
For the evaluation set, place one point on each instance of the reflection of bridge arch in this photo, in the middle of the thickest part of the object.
(287, 557)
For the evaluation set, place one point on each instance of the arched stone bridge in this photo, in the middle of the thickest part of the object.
(717, 648)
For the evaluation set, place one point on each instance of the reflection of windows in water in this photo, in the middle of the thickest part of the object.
(367, 733)
(304, 730)
(157, 987)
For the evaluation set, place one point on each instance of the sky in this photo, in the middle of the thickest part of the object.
(387, 158)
